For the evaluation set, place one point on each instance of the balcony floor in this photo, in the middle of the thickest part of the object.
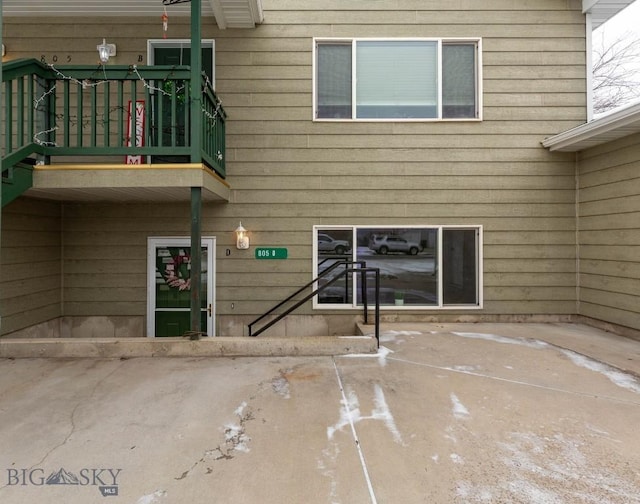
(122, 182)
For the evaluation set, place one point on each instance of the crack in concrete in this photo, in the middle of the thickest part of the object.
(72, 421)
(235, 441)
(73, 414)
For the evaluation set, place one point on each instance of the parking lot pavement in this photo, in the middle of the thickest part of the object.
(444, 413)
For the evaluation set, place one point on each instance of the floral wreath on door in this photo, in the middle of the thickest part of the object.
(177, 271)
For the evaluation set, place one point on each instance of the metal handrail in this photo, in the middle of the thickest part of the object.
(349, 269)
(300, 290)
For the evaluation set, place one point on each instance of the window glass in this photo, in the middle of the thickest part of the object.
(334, 81)
(334, 247)
(459, 266)
(407, 262)
(396, 79)
(458, 80)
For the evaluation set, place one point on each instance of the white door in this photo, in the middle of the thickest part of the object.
(169, 286)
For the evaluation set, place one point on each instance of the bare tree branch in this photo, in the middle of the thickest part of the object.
(616, 72)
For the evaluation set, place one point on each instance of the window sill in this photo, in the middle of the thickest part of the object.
(395, 120)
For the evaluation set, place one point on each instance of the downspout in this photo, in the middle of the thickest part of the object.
(196, 157)
(577, 231)
(62, 269)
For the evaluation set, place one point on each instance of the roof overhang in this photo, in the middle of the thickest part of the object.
(621, 123)
(228, 13)
(602, 10)
(237, 13)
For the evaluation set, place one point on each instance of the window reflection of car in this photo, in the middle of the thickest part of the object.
(385, 244)
(326, 244)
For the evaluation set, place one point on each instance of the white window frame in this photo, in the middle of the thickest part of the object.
(478, 76)
(180, 43)
(440, 306)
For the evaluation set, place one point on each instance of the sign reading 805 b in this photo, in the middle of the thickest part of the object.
(271, 253)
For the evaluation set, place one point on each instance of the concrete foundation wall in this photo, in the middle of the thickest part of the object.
(292, 326)
(84, 327)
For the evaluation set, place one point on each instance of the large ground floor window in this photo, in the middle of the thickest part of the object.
(420, 267)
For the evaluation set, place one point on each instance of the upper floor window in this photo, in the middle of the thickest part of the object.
(411, 79)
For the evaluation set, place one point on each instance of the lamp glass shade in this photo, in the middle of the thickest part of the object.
(242, 240)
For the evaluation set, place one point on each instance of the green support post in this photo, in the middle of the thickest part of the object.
(196, 157)
(1, 112)
(196, 76)
(196, 260)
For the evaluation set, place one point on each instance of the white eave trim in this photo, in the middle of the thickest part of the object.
(237, 14)
(603, 10)
(618, 124)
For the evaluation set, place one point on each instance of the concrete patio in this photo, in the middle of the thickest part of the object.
(443, 413)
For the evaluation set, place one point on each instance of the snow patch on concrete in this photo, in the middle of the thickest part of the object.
(234, 433)
(152, 498)
(468, 491)
(616, 376)
(280, 386)
(349, 409)
(456, 459)
(531, 343)
(392, 336)
(459, 410)
(466, 369)
(381, 355)
(548, 469)
(327, 466)
(382, 412)
(350, 413)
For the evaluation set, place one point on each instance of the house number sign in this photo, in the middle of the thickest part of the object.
(271, 253)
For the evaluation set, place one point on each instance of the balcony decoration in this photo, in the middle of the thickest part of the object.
(165, 23)
(242, 240)
(177, 273)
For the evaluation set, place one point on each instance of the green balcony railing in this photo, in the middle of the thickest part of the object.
(93, 114)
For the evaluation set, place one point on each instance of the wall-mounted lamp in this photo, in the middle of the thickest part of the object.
(242, 240)
(4, 51)
(106, 51)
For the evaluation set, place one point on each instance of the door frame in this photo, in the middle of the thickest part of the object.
(180, 241)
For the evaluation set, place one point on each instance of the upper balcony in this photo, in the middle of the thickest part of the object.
(105, 132)
(109, 132)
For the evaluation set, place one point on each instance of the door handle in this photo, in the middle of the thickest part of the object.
(209, 309)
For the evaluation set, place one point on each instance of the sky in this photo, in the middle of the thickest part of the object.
(624, 24)
(628, 20)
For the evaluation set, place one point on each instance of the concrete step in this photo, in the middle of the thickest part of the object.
(182, 347)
